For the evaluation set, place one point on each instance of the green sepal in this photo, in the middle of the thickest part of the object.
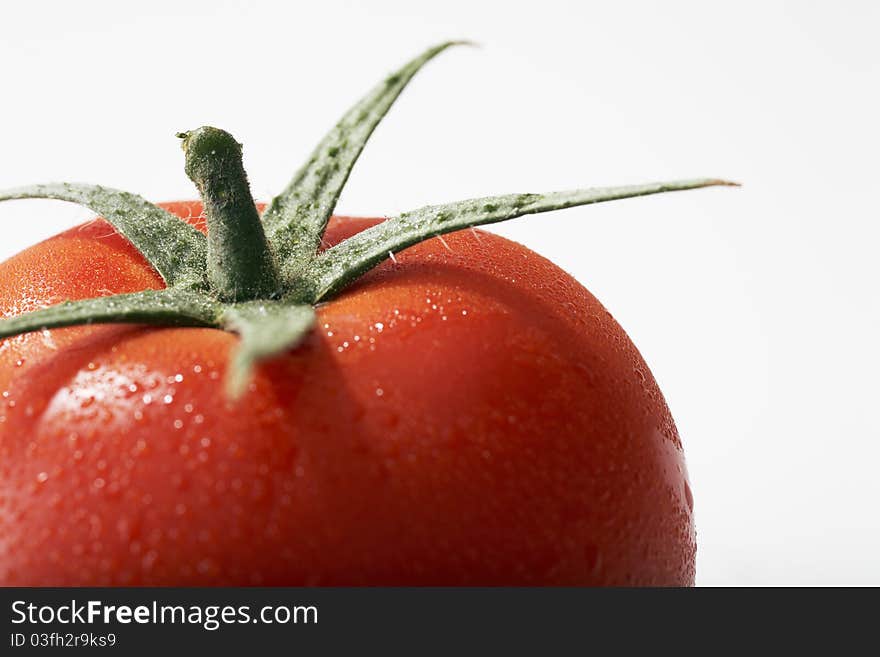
(174, 248)
(155, 307)
(266, 329)
(295, 219)
(340, 265)
(265, 274)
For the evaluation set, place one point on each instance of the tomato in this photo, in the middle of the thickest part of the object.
(464, 414)
(291, 398)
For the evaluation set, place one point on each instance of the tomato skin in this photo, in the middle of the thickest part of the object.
(466, 415)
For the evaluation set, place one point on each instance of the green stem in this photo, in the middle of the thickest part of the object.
(240, 264)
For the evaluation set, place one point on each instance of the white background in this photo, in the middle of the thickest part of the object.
(756, 308)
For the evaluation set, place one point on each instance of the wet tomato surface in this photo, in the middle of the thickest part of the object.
(465, 414)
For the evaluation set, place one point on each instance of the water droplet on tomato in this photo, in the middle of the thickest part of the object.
(149, 559)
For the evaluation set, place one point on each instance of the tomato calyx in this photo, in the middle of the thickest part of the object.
(261, 276)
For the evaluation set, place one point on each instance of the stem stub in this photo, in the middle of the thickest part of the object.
(240, 263)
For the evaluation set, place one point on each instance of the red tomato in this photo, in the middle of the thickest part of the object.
(464, 415)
